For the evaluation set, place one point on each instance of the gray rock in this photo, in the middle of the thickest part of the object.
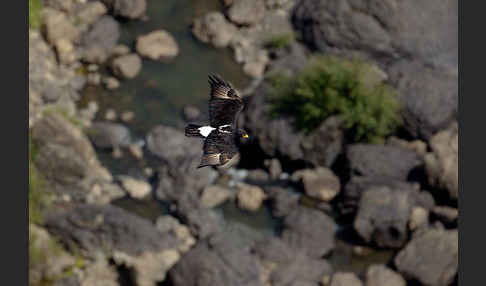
(137, 189)
(288, 266)
(250, 197)
(62, 5)
(99, 40)
(274, 168)
(111, 82)
(380, 275)
(92, 228)
(105, 134)
(319, 183)
(442, 164)
(131, 9)
(383, 215)
(120, 50)
(431, 258)
(66, 52)
(157, 45)
(214, 195)
(100, 270)
(127, 66)
(381, 161)
(445, 214)
(283, 201)
(191, 113)
(58, 26)
(429, 97)
(345, 279)
(213, 28)
(309, 230)
(257, 176)
(246, 12)
(383, 31)
(90, 12)
(216, 264)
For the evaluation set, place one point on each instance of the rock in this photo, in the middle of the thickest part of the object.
(202, 222)
(191, 113)
(62, 5)
(213, 196)
(383, 215)
(213, 28)
(111, 82)
(57, 26)
(383, 31)
(137, 189)
(130, 240)
(429, 97)
(110, 114)
(246, 12)
(381, 161)
(131, 9)
(274, 168)
(94, 78)
(120, 50)
(157, 45)
(310, 231)
(283, 265)
(136, 151)
(319, 183)
(100, 273)
(79, 175)
(65, 51)
(431, 258)
(127, 116)
(283, 201)
(250, 197)
(418, 218)
(170, 224)
(257, 176)
(127, 66)
(90, 12)
(256, 67)
(105, 134)
(418, 146)
(380, 275)
(216, 262)
(446, 214)
(345, 279)
(442, 164)
(100, 39)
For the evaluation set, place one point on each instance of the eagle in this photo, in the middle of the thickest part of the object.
(221, 136)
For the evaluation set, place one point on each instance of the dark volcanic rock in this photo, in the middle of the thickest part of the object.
(93, 228)
(429, 97)
(383, 215)
(291, 267)
(382, 29)
(309, 230)
(382, 161)
(431, 258)
(216, 262)
(108, 134)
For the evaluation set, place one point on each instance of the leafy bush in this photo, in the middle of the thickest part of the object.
(35, 7)
(280, 41)
(331, 86)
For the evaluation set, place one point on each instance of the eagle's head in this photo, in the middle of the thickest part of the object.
(242, 136)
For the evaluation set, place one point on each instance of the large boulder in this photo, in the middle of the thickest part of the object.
(214, 28)
(97, 42)
(127, 66)
(380, 275)
(246, 12)
(105, 134)
(310, 231)
(284, 265)
(382, 29)
(429, 97)
(57, 25)
(320, 183)
(157, 45)
(442, 164)
(431, 258)
(383, 215)
(129, 240)
(382, 161)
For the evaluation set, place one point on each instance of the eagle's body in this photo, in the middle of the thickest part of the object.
(221, 136)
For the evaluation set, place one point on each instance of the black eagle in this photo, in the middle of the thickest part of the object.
(221, 135)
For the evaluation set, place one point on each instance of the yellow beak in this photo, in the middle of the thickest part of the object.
(245, 136)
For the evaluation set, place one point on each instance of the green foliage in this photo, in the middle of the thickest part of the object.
(280, 41)
(38, 199)
(331, 86)
(35, 7)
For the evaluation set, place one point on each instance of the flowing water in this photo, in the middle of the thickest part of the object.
(160, 91)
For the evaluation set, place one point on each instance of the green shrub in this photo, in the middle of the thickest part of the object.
(280, 41)
(38, 198)
(35, 7)
(331, 86)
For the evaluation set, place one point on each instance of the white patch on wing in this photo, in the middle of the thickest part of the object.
(221, 128)
(205, 130)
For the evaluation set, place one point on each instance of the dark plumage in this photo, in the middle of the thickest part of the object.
(221, 136)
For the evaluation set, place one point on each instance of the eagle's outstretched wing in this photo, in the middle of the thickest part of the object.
(219, 148)
(224, 104)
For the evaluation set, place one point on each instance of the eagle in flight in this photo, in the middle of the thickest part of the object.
(221, 136)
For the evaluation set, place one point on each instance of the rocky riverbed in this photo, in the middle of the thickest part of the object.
(114, 195)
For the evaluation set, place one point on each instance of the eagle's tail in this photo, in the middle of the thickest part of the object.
(192, 130)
